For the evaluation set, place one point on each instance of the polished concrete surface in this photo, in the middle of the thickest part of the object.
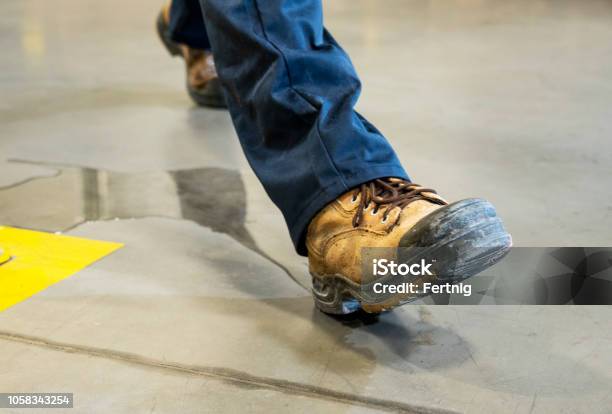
(511, 101)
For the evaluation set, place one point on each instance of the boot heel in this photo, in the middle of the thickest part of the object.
(162, 31)
(331, 297)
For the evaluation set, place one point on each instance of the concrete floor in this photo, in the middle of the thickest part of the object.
(511, 101)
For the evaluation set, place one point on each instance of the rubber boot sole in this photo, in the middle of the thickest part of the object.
(463, 239)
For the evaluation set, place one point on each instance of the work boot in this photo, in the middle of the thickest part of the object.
(461, 239)
(202, 81)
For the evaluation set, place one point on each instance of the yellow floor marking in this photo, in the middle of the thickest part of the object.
(39, 260)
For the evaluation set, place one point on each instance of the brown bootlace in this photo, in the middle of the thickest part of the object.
(390, 193)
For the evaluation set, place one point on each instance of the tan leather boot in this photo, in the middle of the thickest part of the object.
(463, 239)
(202, 81)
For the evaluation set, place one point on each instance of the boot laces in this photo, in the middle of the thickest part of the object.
(390, 193)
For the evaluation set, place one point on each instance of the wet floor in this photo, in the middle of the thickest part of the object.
(207, 308)
(211, 197)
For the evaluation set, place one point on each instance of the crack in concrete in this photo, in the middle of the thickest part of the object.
(254, 248)
(55, 174)
(227, 375)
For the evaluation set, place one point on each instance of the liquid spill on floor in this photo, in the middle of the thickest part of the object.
(212, 197)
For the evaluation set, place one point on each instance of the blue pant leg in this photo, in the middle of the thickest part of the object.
(291, 92)
(187, 24)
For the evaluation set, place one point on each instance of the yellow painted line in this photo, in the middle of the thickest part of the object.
(39, 260)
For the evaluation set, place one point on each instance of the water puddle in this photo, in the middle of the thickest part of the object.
(212, 197)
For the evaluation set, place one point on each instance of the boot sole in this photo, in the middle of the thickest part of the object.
(465, 238)
(212, 95)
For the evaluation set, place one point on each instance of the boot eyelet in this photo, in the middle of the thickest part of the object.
(384, 220)
(374, 212)
(354, 200)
